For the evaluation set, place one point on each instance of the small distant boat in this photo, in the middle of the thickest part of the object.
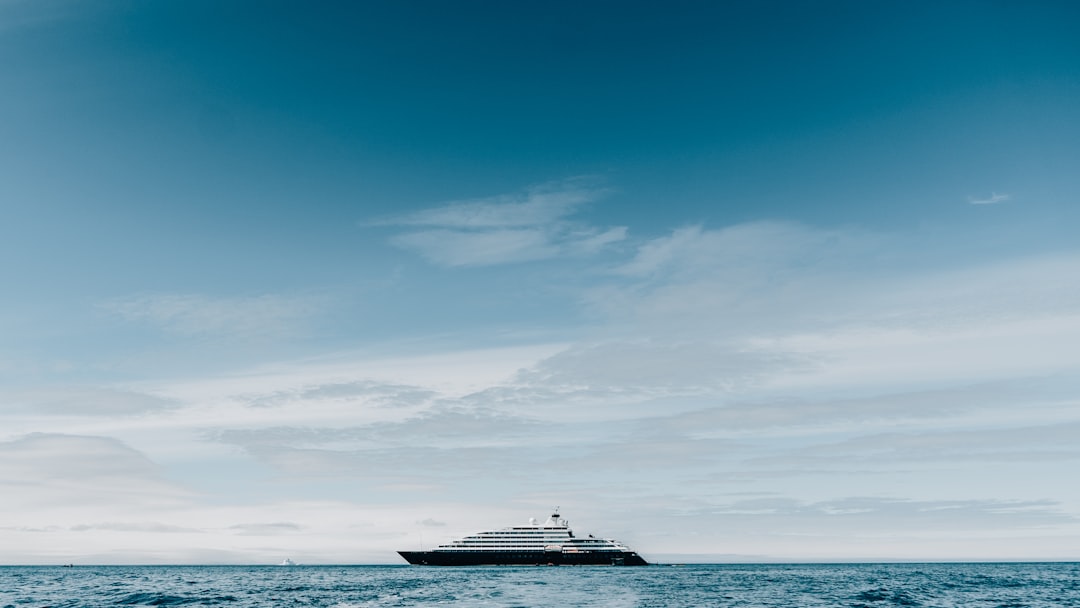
(288, 562)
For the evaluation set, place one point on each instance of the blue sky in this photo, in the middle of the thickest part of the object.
(762, 281)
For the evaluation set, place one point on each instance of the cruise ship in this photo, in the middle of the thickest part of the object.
(552, 543)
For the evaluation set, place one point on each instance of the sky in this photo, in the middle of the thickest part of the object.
(761, 281)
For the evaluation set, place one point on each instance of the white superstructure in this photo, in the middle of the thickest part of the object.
(553, 535)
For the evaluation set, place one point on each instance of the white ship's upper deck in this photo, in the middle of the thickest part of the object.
(553, 535)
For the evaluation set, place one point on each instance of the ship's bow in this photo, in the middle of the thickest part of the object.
(415, 558)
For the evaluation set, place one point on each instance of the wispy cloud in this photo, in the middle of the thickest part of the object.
(745, 250)
(624, 379)
(365, 392)
(877, 515)
(791, 415)
(478, 248)
(85, 401)
(535, 206)
(53, 468)
(1047, 443)
(266, 529)
(527, 226)
(196, 314)
(993, 199)
(141, 527)
(433, 429)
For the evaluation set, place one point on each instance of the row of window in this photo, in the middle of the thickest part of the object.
(474, 549)
(528, 542)
(524, 533)
(521, 538)
(535, 548)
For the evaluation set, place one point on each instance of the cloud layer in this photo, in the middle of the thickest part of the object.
(505, 229)
(809, 392)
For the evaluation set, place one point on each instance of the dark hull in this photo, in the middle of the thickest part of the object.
(522, 558)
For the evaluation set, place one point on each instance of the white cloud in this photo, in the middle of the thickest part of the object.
(506, 229)
(1058, 442)
(145, 527)
(993, 199)
(431, 429)
(367, 392)
(781, 279)
(197, 315)
(802, 415)
(537, 206)
(42, 456)
(85, 401)
(50, 468)
(808, 367)
(884, 515)
(458, 248)
(691, 367)
(740, 251)
(267, 529)
(588, 242)
(658, 253)
(736, 281)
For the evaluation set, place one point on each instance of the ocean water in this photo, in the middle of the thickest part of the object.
(848, 585)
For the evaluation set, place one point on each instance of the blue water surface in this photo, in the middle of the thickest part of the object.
(849, 585)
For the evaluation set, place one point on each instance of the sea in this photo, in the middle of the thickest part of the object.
(993, 585)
